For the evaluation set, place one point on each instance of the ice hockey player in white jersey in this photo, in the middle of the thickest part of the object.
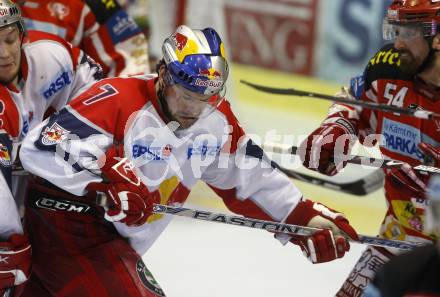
(145, 140)
(39, 73)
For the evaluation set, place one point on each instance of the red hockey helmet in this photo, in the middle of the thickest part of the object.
(416, 14)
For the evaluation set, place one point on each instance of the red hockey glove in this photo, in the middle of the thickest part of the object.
(317, 151)
(432, 154)
(15, 262)
(325, 245)
(128, 199)
(408, 177)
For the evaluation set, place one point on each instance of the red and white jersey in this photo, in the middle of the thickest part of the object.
(9, 218)
(10, 222)
(102, 29)
(384, 83)
(64, 150)
(52, 72)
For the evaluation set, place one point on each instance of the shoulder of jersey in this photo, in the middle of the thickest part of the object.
(385, 65)
(103, 10)
(121, 92)
(225, 109)
(34, 36)
(110, 102)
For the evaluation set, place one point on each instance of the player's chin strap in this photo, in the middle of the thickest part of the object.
(270, 226)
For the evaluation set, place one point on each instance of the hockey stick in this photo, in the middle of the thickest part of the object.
(101, 200)
(17, 170)
(273, 226)
(353, 159)
(360, 187)
(420, 114)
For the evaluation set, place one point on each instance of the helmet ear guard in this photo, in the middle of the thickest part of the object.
(195, 60)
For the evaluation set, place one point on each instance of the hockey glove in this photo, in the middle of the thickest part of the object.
(326, 245)
(128, 199)
(318, 150)
(15, 263)
(408, 177)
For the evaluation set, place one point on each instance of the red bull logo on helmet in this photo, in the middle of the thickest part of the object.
(180, 41)
(184, 46)
(208, 83)
(5, 157)
(210, 73)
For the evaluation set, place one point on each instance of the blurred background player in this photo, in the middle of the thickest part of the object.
(39, 73)
(15, 250)
(176, 130)
(403, 74)
(414, 274)
(102, 29)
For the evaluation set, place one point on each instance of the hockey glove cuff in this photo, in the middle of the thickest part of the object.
(326, 245)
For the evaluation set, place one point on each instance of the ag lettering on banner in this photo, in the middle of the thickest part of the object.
(274, 34)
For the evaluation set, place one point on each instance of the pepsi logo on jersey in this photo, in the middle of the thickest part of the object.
(152, 153)
(203, 151)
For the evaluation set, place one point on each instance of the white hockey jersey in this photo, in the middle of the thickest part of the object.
(52, 72)
(64, 150)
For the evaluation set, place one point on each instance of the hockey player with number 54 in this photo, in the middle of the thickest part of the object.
(144, 140)
(404, 74)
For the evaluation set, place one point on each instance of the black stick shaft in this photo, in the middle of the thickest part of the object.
(421, 114)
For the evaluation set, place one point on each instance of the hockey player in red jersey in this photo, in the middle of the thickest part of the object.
(15, 250)
(403, 74)
(39, 73)
(415, 273)
(102, 29)
(149, 140)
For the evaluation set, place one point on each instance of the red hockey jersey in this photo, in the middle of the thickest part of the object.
(398, 136)
(102, 29)
(52, 73)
